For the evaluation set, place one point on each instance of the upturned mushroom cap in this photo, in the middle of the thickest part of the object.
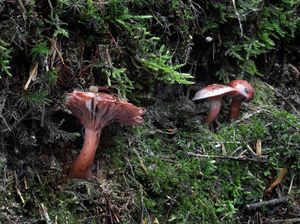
(244, 88)
(214, 90)
(95, 110)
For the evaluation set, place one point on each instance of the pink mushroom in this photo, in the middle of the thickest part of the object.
(95, 111)
(213, 94)
(245, 93)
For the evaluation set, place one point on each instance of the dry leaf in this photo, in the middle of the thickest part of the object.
(280, 177)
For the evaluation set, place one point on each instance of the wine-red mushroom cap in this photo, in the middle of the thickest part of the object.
(95, 110)
(214, 90)
(244, 88)
(213, 94)
(130, 115)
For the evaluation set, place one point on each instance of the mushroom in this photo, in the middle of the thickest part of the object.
(95, 111)
(213, 94)
(245, 93)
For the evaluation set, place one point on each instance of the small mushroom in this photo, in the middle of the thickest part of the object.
(213, 94)
(95, 111)
(245, 93)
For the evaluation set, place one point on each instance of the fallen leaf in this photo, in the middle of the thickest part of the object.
(280, 177)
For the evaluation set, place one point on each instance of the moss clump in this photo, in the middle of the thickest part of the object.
(173, 169)
(194, 176)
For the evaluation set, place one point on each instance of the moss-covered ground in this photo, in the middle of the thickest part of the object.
(173, 169)
(156, 54)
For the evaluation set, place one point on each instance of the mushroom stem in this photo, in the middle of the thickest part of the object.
(82, 165)
(214, 109)
(235, 108)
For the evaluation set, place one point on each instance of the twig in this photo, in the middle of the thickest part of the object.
(291, 184)
(248, 115)
(38, 176)
(251, 150)
(22, 9)
(51, 7)
(2, 104)
(244, 159)
(140, 160)
(85, 208)
(43, 112)
(236, 150)
(141, 190)
(272, 202)
(32, 74)
(17, 188)
(241, 154)
(45, 214)
(280, 221)
(113, 216)
(54, 42)
(6, 124)
(238, 17)
(18, 121)
(132, 176)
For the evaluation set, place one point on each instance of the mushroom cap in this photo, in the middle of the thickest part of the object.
(214, 90)
(244, 88)
(95, 110)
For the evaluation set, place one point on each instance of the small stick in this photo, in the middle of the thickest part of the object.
(238, 16)
(225, 157)
(241, 154)
(237, 149)
(32, 74)
(25, 183)
(291, 184)
(140, 160)
(272, 202)
(251, 151)
(8, 128)
(22, 9)
(18, 121)
(45, 214)
(248, 115)
(280, 221)
(54, 42)
(17, 188)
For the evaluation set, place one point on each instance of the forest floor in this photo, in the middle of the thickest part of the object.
(172, 169)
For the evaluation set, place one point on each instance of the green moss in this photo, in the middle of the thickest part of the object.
(264, 93)
(182, 188)
(134, 47)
